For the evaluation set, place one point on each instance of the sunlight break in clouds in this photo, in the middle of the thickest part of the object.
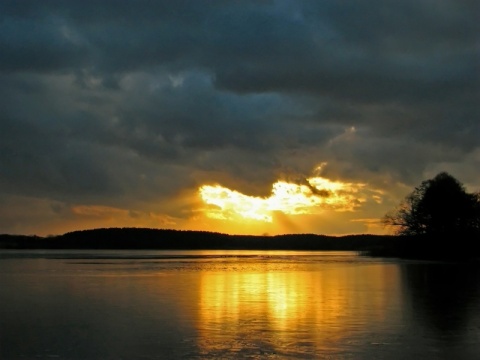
(315, 195)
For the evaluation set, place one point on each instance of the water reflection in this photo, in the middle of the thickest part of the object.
(209, 305)
(443, 296)
(294, 313)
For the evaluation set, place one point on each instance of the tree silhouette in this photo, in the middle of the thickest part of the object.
(439, 210)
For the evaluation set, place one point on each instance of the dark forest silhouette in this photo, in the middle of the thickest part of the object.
(145, 238)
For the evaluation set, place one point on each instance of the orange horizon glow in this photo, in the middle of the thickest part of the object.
(314, 205)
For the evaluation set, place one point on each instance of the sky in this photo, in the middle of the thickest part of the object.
(241, 117)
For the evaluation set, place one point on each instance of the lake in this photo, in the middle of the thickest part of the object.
(235, 305)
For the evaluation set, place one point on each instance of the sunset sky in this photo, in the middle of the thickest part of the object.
(243, 117)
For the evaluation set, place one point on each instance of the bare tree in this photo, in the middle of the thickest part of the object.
(438, 207)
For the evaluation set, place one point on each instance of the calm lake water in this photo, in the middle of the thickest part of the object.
(235, 305)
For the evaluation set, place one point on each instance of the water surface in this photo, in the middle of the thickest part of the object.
(235, 305)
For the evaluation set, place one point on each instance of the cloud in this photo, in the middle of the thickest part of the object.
(128, 105)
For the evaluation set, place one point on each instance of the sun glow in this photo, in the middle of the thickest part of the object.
(313, 196)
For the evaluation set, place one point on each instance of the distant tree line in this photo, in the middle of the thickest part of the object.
(145, 238)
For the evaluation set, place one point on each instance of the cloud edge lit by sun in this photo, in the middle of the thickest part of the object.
(316, 195)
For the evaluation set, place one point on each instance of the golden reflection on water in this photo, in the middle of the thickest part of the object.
(315, 307)
(254, 305)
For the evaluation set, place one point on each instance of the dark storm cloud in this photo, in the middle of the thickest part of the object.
(357, 51)
(110, 101)
(39, 159)
(395, 51)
